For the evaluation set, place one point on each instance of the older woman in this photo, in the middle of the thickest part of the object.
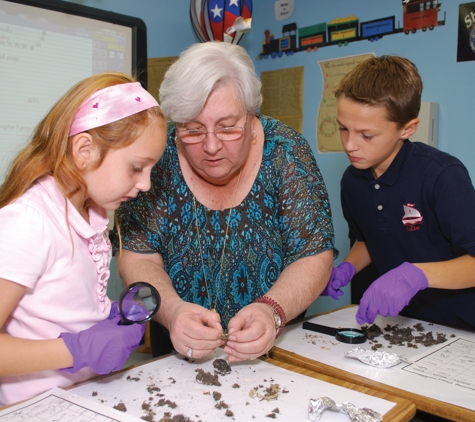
(236, 232)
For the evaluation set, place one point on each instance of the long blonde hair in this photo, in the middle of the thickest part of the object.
(49, 151)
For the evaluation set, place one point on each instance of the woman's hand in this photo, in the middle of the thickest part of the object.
(251, 332)
(195, 328)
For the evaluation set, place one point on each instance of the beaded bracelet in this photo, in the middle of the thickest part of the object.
(277, 311)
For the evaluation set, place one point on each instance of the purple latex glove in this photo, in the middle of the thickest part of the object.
(391, 292)
(114, 310)
(104, 347)
(135, 312)
(340, 277)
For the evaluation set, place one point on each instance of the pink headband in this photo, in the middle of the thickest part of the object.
(111, 104)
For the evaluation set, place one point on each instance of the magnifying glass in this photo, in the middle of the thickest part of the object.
(345, 335)
(138, 303)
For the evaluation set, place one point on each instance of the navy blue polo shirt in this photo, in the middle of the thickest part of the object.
(421, 209)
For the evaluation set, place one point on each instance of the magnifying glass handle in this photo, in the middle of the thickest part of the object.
(319, 328)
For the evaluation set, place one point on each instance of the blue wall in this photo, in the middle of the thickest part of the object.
(447, 82)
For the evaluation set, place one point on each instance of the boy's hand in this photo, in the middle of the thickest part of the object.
(391, 292)
(340, 277)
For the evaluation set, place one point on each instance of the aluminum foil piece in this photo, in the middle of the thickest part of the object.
(376, 358)
(318, 406)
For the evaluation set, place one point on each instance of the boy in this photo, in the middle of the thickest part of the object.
(410, 207)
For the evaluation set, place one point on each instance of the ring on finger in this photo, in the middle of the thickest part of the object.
(189, 353)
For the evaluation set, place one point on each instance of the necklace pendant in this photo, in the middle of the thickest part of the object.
(214, 310)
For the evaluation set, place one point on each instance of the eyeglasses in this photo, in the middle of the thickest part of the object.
(225, 134)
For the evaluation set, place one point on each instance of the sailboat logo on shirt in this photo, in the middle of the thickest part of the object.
(412, 217)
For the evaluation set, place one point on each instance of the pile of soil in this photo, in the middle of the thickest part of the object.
(403, 336)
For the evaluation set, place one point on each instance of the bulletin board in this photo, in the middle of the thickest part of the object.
(156, 71)
(283, 95)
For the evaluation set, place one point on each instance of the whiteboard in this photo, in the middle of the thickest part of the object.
(43, 53)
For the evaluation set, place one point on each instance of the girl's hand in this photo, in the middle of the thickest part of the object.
(104, 347)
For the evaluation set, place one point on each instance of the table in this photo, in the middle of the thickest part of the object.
(325, 355)
(171, 381)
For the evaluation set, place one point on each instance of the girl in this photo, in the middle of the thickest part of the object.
(93, 150)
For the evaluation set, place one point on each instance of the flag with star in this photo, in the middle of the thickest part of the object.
(221, 20)
(231, 13)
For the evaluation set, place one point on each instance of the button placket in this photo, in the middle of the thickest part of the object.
(379, 198)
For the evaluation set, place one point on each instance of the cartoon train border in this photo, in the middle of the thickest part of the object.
(417, 15)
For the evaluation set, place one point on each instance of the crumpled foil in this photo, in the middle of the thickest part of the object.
(376, 358)
(318, 406)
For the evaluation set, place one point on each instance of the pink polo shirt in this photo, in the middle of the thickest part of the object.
(64, 264)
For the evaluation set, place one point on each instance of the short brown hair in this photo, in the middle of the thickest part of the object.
(391, 82)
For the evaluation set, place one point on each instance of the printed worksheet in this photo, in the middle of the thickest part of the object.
(59, 405)
(453, 363)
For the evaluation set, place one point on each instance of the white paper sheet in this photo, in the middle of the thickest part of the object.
(175, 377)
(58, 405)
(328, 350)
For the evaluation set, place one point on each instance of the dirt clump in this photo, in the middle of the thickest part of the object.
(121, 407)
(221, 367)
(207, 378)
(167, 417)
(403, 336)
(373, 331)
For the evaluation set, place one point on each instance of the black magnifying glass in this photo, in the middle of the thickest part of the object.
(345, 335)
(138, 303)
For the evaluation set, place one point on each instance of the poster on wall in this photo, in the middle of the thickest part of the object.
(328, 136)
(156, 71)
(466, 35)
(282, 91)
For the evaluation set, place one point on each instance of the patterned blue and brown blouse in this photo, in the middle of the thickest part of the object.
(285, 216)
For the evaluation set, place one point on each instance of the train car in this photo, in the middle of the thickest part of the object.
(312, 37)
(375, 29)
(342, 30)
(417, 14)
(420, 14)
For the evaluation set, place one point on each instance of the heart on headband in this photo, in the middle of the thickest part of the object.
(111, 104)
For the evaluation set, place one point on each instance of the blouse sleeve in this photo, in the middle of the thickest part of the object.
(305, 218)
(143, 220)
